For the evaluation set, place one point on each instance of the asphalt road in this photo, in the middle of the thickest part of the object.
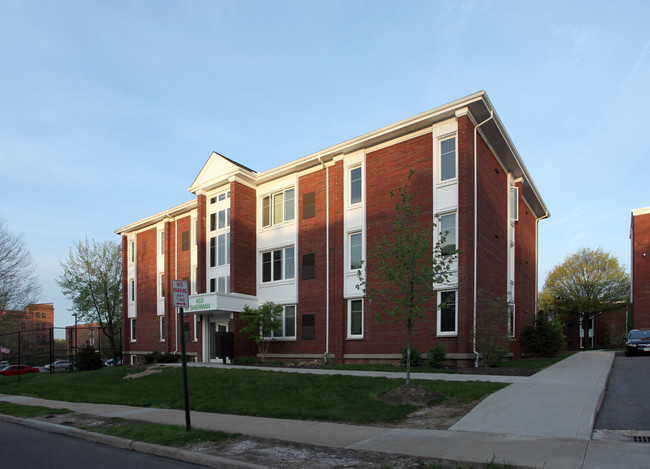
(28, 448)
(626, 405)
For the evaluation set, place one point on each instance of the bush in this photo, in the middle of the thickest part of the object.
(245, 361)
(415, 356)
(543, 337)
(157, 357)
(88, 358)
(436, 356)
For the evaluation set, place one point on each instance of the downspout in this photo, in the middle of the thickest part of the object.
(476, 354)
(327, 258)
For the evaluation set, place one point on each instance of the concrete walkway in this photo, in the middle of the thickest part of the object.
(540, 421)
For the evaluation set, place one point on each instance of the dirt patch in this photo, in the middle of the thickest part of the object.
(146, 372)
(411, 395)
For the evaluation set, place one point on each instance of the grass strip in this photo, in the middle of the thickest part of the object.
(165, 435)
(28, 411)
(273, 394)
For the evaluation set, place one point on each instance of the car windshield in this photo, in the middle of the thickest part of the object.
(639, 334)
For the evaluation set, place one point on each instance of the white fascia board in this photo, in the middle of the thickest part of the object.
(640, 211)
(183, 209)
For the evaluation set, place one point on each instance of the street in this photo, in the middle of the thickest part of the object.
(626, 405)
(27, 448)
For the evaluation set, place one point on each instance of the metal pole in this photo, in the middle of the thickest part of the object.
(184, 361)
(19, 356)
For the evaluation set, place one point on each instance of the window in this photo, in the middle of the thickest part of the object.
(223, 249)
(132, 251)
(223, 284)
(186, 330)
(448, 159)
(133, 330)
(162, 243)
(511, 319)
(308, 327)
(288, 327)
(43, 315)
(132, 289)
(355, 185)
(356, 250)
(355, 318)
(185, 241)
(309, 205)
(162, 285)
(448, 234)
(38, 315)
(514, 203)
(162, 328)
(213, 285)
(278, 208)
(213, 252)
(278, 265)
(308, 267)
(447, 317)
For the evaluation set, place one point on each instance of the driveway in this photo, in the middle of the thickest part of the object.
(626, 405)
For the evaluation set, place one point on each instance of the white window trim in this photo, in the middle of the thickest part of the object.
(293, 337)
(439, 140)
(131, 329)
(439, 224)
(161, 285)
(513, 323)
(271, 196)
(284, 278)
(348, 185)
(440, 333)
(161, 324)
(349, 253)
(351, 336)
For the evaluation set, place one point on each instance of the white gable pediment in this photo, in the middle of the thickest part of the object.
(215, 172)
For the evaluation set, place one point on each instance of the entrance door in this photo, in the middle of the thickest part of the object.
(590, 331)
(214, 329)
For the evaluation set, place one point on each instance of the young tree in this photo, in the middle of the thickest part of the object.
(585, 285)
(19, 285)
(260, 324)
(92, 280)
(407, 264)
(492, 338)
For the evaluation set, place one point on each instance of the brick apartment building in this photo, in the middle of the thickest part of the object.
(296, 235)
(34, 324)
(640, 267)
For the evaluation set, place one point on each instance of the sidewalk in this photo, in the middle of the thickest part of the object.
(544, 420)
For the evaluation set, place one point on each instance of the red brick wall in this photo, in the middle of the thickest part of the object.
(525, 269)
(126, 329)
(641, 271)
(312, 293)
(387, 169)
(201, 249)
(465, 299)
(147, 326)
(336, 237)
(243, 239)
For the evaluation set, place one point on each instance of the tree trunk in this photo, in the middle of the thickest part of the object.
(408, 355)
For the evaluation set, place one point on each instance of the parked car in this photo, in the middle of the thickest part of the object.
(638, 341)
(59, 365)
(111, 362)
(13, 370)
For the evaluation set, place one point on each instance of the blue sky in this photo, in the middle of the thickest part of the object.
(108, 110)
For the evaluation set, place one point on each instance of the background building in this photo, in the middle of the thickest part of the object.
(34, 327)
(640, 267)
(297, 235)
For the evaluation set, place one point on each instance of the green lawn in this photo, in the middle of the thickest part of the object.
(244, 392)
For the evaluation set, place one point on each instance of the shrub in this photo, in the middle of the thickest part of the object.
(415, 356)
(88, 358)
(436, 356)
(543, 337)
(157, 357)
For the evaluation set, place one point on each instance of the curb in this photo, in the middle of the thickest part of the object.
(177, 454)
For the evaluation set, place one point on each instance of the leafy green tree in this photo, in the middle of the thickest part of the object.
(492, 338)
(88, 358)
(92, 280)
(407, 264)
(261, 323)
(585, 285)
(543, 337)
